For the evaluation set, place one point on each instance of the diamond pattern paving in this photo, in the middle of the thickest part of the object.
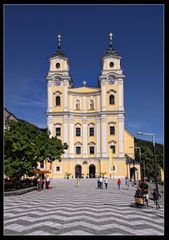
(65, 209)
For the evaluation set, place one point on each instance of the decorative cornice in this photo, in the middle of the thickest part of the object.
(57, 92)
(111, 90)
(93, 114)
(84, 94)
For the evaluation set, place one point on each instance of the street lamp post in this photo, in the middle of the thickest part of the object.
(154, 156)
(139, 148)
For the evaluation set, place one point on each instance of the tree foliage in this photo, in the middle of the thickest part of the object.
(147, 155)
(25, 145)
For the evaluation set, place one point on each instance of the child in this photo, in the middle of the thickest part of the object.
(119, 183)
(156, 197)
(39, 184)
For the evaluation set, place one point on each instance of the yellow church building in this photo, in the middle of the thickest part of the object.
(90, 120)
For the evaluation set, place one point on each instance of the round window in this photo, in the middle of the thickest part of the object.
(111, 64)
(57, 65)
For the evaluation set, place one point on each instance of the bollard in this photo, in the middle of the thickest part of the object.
(77, 182)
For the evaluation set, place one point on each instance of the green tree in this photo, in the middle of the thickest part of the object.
(147, 155)
(25, 145)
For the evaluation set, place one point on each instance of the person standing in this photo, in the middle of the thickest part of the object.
(156, 197)
(144, 187)
(101, 182)
(127, 183)
(43, 181)
(106, 182)
(98, 182)
(39, 184)
(119, 183)
(47, 182)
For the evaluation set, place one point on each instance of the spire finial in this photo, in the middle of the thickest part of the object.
(110, 36)
(59, 40)
(84, 83)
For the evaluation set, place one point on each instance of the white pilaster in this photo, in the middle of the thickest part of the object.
(121, 94)
(50, 125)
(71, 103)
(71, 139)
(97, 136)
(50, 96)
(84, 103)
(65, 95)
(98, 103)
(103, 94)
(121, 135)
(66, 134)
(84, 134)
(104, 144)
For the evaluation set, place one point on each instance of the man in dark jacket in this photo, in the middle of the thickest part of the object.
(144, 187)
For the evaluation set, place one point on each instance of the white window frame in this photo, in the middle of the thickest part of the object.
(91, 125)
(58, 172)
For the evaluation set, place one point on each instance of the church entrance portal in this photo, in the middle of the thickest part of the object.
(78, 171)
(92, 171)
(133, 173)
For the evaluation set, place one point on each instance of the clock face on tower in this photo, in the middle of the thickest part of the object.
(111, 80)
(57, 81)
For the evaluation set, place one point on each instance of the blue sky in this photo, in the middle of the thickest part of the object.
(30, 37)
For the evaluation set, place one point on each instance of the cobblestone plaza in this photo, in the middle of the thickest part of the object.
(66, 209)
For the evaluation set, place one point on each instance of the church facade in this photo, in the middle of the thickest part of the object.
(90, 120)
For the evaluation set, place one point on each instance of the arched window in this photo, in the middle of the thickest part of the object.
(111, 99)
(57, 101)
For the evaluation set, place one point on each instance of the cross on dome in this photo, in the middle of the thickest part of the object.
(110, 36)
(59, 40)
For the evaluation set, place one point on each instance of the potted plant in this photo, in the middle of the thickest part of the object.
(102, 174)
(67, 175)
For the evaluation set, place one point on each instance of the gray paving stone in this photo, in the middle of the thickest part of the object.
(85, 210)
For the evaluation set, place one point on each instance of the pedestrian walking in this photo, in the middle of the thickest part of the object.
(47, 182)
(43, 181)
(144, 187)
(39, 184)
(127, 184)
(101, 182)
(98, 183)
(119, 183)
(105, 182)
(156, 197)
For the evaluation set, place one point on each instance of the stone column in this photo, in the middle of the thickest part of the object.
(50, 125)
(98, 136)
(65, 82)
(98, 103)
(103, 94)
(84, 134)
(50, 96)
(66, 134)
(104, 143)
(121, 94)
(121, 135)
(71, 103)
(84, 104)
(71, 139)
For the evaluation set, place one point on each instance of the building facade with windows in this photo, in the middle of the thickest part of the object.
(90, 120)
